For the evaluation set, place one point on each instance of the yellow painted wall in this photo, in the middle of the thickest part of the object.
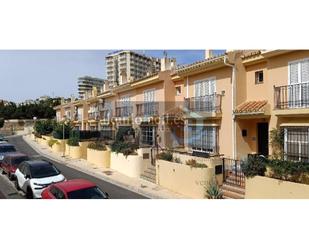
(268, 188)
(99, 158)
(183, 179)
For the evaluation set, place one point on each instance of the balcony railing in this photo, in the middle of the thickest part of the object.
(93, 116)
(207, 103)
(123, 111)
(105, 114)
(147, 109)
(292, 96)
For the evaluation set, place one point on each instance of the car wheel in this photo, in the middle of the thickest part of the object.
(17, 185)
(29, 194)
(11, 177)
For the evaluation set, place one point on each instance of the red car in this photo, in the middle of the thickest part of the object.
(74, 189)
(10, 163)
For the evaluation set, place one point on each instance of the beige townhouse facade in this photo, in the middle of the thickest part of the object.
(224, 105)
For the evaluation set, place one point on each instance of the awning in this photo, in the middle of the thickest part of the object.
(251, 107)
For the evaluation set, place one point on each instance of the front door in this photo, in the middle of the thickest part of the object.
(262, 131)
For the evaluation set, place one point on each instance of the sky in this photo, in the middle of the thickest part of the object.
(29, 74)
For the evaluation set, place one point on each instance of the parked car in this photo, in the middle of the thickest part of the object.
(74, 189)
(3, 142)
(10, 163)
(32, 177)
(3, 139)
(4, 149)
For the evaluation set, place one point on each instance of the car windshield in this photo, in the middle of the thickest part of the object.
(5, 149)
(18, 160)
(88, 193)
(43, 170)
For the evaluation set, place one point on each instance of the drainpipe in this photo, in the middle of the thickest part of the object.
(232, 65)
(187, 85)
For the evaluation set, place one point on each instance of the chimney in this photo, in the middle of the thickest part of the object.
(168, 64)
(208, 54)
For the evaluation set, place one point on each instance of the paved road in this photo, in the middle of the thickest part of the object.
(114, 191)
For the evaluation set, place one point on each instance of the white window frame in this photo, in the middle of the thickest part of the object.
(215, 139)
(300, 143)
(213, 78)
(300, 82)
(153, 90)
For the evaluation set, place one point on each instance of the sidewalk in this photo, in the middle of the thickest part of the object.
(139, 186)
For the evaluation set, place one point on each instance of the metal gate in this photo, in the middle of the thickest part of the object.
(232, 173)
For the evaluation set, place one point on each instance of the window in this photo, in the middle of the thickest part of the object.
(296, 144)
(259, 77)
(88, 193)
(298, 88)
(205, 87)
(202, 138)
(178, 90)
(57, 193)
(148, 135)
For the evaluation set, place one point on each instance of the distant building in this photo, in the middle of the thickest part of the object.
(126, 66)
(86, 85)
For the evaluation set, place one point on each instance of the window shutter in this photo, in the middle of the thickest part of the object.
(294, 73)
(305, 71)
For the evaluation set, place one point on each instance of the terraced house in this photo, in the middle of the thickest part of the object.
(224, 105)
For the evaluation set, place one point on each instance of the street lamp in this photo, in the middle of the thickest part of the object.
(63, 132)
(34, 121)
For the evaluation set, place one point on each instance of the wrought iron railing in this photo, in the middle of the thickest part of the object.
(147, 109)
(93, 116)
(291, 96)
(207, 103)
(232, 173)
(105, 114)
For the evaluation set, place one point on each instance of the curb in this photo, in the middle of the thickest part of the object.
(101, 177)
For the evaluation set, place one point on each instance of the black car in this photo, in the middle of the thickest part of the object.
(6, 148)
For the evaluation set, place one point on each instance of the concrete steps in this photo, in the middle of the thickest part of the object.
(232, 192)
(149, 174)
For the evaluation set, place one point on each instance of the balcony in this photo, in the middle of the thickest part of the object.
(105, 114)
(123, 111)
(93, 116)
(207, 103)
(291, 99)
(147, 109)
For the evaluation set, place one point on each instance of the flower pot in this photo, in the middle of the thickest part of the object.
(100, 158)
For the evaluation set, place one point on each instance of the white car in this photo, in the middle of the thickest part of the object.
(32, 177)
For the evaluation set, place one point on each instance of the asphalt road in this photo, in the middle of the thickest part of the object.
(115, 192)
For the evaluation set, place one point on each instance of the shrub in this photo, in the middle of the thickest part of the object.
(51, 142)
(254, 166)
(126, 148)
(167, 156)
(123, 133)
(73, 139)
(97, 146)
(276, 141)
(288, 170)
(58, 130)
(213, 191)
(44, 127)
(177, 160)
(195, 164)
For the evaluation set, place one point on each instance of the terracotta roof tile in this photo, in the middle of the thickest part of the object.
(251, 106)
(199, 64)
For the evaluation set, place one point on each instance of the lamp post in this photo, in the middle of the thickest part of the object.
(63, 133)
(34, 121)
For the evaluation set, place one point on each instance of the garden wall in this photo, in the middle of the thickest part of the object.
(99, 158)
(184, 179)
(131, 165)
(260, 187)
